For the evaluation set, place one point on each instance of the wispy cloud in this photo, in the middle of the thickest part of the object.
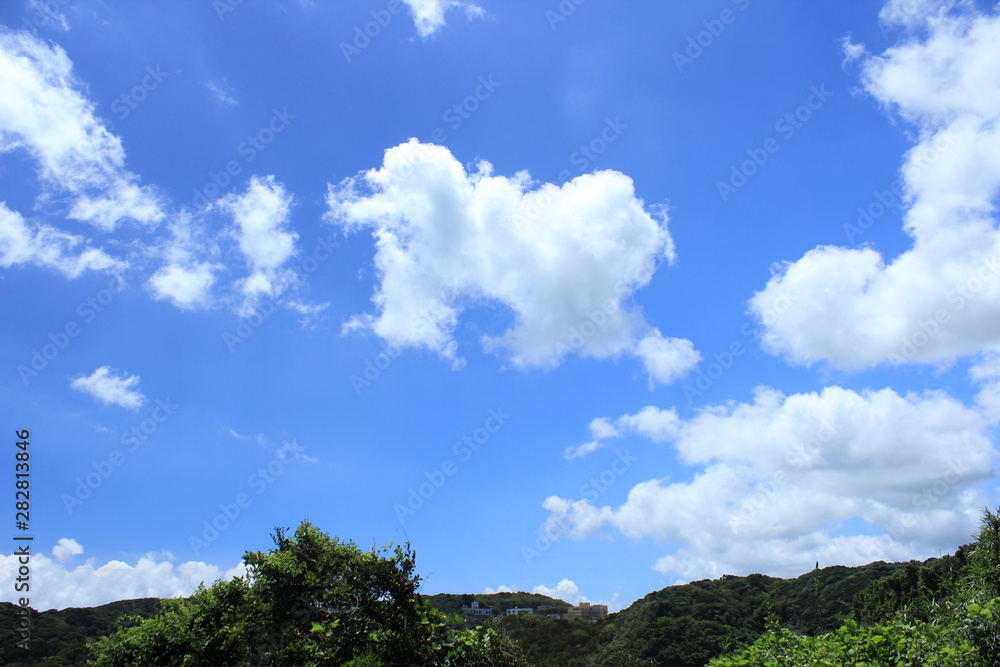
(111, 387)
(222, 93)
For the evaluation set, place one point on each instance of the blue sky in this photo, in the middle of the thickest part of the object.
(583, 298)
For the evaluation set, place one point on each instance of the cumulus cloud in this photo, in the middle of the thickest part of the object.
(111, 387)
(651, 422)
(940, 299)
(666, 359)
(500, 589)
(43, 113)
(563, 259)
(428, 15)
(260, 218)
(91, 584)
(66, 548)
(565, 590)
(779, 483)
(191, 265)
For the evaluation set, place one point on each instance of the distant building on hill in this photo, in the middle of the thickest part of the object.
(519, 610)
(588, 612)
(476, 610)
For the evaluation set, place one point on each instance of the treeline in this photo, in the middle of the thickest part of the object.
(60, 638)
(314, 600)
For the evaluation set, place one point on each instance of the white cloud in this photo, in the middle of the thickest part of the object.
(111, 387)
(940, 299)
(666, 359)
(600, 429)
(92, 584)
(779, 483)
(66, 548)
(987, 374)
(191, 265)
(913, 14)
(651, 422)
(500, 589)
(564, 259)
(852, 50)
(260, 217)
(43, 113)
(184, 286)
(22, 242)
(565, 590)
(428, 15)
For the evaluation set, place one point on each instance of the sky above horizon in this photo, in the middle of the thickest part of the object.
(579, 298)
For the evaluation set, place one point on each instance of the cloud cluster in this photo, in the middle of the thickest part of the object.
(651, 422)
(61, 585)
(777, 484)
(24, 242)
(260, 225)
(563, 259)
(43, 113)
(940, 299)
(428, 15)
(111, 387)
(81, 176)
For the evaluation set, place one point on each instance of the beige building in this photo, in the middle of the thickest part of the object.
(588, 612)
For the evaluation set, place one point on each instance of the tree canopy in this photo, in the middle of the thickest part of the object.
(311, 600)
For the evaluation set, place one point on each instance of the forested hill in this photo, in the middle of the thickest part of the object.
(679, 625)
(689, 624)
(59, 638)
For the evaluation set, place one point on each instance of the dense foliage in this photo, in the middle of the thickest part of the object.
(552, 642)
(944, 612)
(312, 600)
(59, 638)
(686, 626)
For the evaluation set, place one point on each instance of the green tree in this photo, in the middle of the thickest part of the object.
(312, 600)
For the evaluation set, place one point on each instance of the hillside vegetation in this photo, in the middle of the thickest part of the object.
(314, 600)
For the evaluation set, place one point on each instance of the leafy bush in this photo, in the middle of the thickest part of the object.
(312, 600)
